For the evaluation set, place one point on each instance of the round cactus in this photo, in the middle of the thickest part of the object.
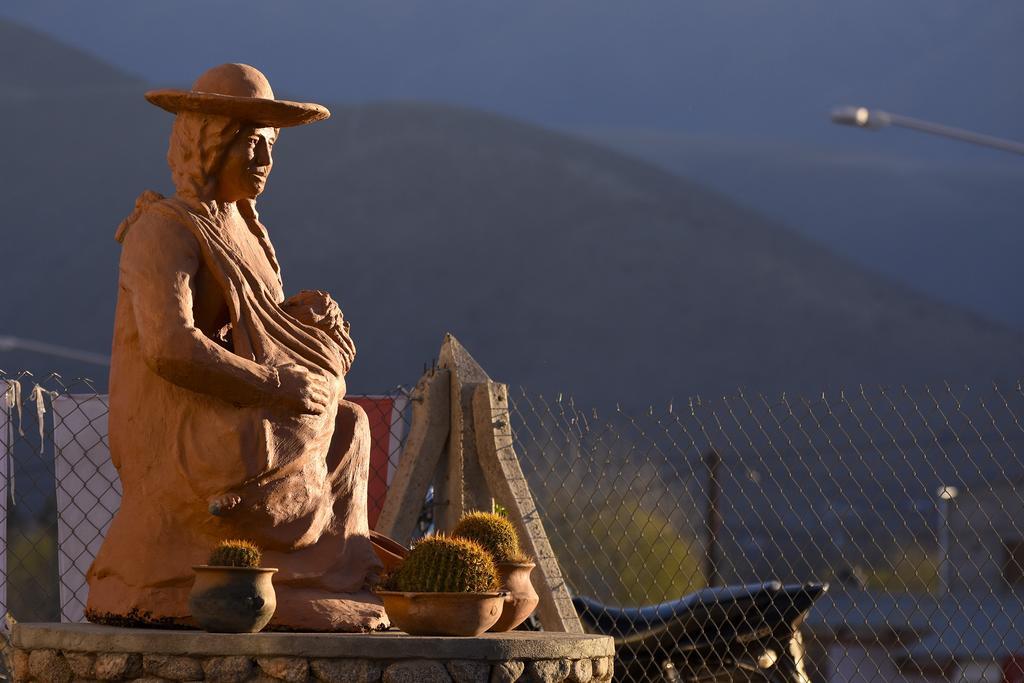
(494, 532)
(235, 553)
(445, 564)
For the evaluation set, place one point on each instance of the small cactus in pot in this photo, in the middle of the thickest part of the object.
(498, 535)
(447, 586)
(494, 532)
(235, 553)
(232, 593)
(446, 564)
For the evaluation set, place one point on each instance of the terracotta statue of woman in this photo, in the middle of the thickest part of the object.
(227, 411)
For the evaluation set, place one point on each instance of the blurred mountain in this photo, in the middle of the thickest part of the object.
(560, 264)
(737, 95)
(947, 227)
(55, 70)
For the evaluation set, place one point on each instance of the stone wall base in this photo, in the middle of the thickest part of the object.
(85, 652)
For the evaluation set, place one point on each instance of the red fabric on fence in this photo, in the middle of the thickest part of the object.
(386, 431)
(1013, 669)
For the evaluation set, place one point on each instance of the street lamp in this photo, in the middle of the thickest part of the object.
(874, 119)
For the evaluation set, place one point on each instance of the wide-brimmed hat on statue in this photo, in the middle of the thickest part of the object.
(241, 92)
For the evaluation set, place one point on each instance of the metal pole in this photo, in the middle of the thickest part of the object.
(13, 343)
(957, 133)
(943, 546)
(713, 518)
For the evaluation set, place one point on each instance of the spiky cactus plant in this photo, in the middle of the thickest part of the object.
(235, 553)
(494, 532)
(446, 564)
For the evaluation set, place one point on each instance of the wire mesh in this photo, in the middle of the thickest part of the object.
(63, 490)
(905, 500)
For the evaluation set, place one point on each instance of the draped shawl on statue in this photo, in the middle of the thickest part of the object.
(269, 447)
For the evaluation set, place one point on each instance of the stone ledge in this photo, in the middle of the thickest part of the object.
(491, 647)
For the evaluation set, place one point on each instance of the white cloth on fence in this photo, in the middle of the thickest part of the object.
(8, 398)
(88, 493)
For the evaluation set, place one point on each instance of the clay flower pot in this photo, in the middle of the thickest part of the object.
(232, 599)
(443, 614)
(389, 551)
(522, 598)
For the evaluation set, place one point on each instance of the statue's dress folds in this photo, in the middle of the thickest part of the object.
(189, 424)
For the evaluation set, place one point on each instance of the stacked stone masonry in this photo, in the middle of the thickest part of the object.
(384, 658)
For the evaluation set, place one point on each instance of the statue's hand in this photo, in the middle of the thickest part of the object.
(222, 504)
(302, 390)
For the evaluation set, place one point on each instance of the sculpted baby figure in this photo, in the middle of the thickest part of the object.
(227, 411)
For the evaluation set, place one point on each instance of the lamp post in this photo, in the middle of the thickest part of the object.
(946, 495)
(875, 119)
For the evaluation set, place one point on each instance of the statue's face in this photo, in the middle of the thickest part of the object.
(247, 164)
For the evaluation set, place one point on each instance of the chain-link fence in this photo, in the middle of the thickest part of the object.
(62, 490)
(907, 501)
(904, 500)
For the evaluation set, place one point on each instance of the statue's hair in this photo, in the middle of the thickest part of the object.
(196, 151)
